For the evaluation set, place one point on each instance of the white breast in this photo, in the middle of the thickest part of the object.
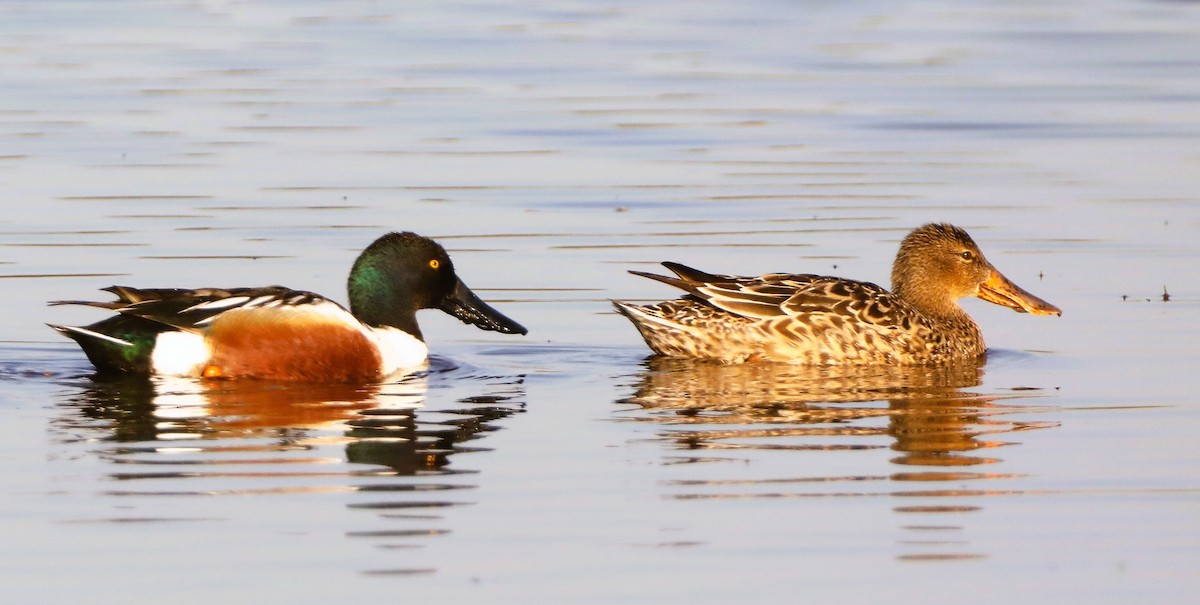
(401, 351)
(179, 354)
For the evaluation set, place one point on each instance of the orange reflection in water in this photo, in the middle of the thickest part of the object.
(932, 419)
(391, 425)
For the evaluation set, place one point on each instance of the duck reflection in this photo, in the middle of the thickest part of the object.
(926, 414)
(377, 424)
(387, 447)
(931, 418)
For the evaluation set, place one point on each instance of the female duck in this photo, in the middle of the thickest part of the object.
(813, 319)
(278, 333)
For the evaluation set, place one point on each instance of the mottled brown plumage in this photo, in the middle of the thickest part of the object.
(814, 319)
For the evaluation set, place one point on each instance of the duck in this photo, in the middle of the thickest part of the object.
(279, 333)
(829, 321)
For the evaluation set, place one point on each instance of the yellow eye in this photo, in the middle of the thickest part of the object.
(434, 263)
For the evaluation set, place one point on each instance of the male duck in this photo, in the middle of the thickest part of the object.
(813, 319)
(283, 334)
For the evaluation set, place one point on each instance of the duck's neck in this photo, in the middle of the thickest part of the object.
(927, 298)
(376, 302)
(960, 335)
(963, 338)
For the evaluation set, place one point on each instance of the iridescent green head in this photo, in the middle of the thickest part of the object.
(401, 273)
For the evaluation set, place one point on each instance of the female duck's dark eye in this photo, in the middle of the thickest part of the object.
(966, 255)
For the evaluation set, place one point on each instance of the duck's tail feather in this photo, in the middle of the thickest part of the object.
(121, 344)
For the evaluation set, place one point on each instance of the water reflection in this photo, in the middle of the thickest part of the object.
(673, 383)
(927, 415)
(927, 409)
(387, 447)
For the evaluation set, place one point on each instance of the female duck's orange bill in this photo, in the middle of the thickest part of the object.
(999, 290)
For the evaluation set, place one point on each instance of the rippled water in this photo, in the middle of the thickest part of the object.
(551, 147)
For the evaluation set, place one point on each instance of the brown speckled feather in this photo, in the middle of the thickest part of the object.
(810, 319)
(815, 319)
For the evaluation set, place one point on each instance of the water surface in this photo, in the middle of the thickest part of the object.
(551, 147)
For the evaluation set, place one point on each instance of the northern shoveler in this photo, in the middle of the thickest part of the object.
(814, 319)
(283, 334)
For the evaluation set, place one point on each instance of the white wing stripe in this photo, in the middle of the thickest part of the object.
(259, 301)
(221, 303)
(112, 339)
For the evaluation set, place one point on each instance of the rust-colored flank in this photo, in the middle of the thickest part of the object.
(279, 344)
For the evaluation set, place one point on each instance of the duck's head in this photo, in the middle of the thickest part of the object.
(401, 273)
(938, 264)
